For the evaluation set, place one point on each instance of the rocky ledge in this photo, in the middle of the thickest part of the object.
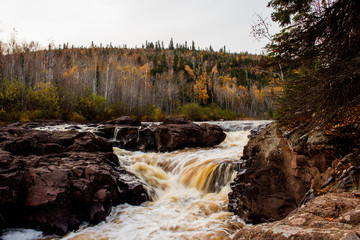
(172, 134)
(54, 181)
(301, 184)
(332, 216)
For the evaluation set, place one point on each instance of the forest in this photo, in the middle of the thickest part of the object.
(97, 83)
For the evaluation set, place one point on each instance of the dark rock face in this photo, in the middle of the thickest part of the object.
(276, 179)
(53, 181)
(302, 187)
(172, 134)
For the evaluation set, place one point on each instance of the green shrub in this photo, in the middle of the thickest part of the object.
(196, 112)
(193, 111)
(76, 117)
(92, 107)
(28, 116)
(12, 94)
(45, 100)
(154, 114)
(2, 115)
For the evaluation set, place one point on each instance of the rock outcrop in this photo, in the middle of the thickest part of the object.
(301, 184)
(53, 181)
(276, 179)
(172, 134)
(176, 134)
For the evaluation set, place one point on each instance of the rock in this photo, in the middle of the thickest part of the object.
(172, 134)
(331, 216)
(276, 178)
(54, 181)
(297, 187)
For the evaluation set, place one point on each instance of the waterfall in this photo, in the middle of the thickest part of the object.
(190, 189)
(189, 192)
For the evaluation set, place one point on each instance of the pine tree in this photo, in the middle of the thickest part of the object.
(319, 49)
(171, 44)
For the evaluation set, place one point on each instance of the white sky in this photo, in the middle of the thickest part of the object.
(132, 22)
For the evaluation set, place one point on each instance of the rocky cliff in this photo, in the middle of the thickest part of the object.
(284, 171)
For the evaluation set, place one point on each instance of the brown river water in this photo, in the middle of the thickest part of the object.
(189, 194)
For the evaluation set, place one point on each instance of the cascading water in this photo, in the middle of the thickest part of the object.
(189, 192)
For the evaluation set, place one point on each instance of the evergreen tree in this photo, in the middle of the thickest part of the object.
(171, 44)
(320, 50)
(175, 62)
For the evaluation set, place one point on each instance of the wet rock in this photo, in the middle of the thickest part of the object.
(172, 134)
(54, 181)
(276, 178)
(299, 186)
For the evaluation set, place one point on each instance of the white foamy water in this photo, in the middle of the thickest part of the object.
(190, 193)
(23, 234)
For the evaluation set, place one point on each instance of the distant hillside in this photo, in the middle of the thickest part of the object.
(100, 82)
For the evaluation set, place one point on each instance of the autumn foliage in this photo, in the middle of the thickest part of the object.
(101, 82)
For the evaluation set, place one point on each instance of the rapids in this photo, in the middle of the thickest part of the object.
(189, 190)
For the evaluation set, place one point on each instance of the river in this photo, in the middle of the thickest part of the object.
(189, 193)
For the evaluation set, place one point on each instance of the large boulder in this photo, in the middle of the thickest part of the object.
(276, 178)
(54, 181)
(172, 134)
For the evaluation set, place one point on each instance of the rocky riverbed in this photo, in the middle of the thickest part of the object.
(55, 180)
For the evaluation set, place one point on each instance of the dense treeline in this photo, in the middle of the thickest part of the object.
(100, 82)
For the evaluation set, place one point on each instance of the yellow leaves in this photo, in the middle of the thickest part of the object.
(329, 219)
(45, 96)
(190, 71)
(200, 89)
(257, 93)
(145, 70)
(214, 70)
(296, 71)
(12, 90)
(74, 70)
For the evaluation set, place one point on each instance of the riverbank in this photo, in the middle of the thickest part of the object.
(298, 187)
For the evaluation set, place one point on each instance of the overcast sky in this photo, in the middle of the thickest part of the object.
(132, 22)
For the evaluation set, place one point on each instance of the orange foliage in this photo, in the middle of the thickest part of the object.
(190, 71)
(200, 88)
